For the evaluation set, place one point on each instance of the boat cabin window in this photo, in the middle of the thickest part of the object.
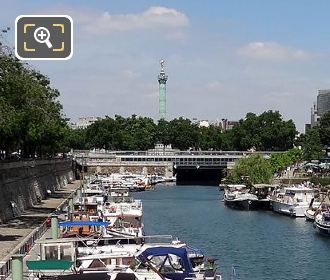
(168, 264)
(65, 253)
(62, 251)
(51, 252)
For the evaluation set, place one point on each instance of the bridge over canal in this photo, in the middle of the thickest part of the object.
(189, 166)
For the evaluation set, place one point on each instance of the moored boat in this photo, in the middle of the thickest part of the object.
(238, 197)
(168, 259)
(292, 201)
(310, 214)
(322, 222)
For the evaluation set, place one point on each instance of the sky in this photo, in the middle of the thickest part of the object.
(224, 58)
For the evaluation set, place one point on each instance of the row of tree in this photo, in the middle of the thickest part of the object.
(268, 132)
(31, 119)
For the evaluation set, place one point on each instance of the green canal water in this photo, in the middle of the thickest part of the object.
(261, 245)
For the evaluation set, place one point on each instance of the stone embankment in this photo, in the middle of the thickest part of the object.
(25, 184)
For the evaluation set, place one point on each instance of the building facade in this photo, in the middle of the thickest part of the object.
(83, 122)
(321, 106)
(323, 101)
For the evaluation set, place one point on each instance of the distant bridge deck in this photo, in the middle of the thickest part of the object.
(197, 159)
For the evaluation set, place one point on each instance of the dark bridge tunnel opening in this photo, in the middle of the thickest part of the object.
(198, 176)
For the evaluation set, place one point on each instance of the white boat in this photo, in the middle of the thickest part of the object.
(322, 222)
(239, 197)
(312, 210)
(154, 261)
(310, 214)
(242, 201)
(292, 201)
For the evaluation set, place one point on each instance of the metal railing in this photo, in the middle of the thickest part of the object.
(28, 242)
(22, 248)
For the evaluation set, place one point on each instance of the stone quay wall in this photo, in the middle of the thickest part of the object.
(140, 168)
(24, 183)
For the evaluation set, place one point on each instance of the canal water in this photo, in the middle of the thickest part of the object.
(260, 245)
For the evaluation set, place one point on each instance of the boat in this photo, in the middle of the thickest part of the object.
(310, 215)
(322, 222)
(292, 201)
(312, 210)
(172, 262)
(165, 259)
(263, 192)
(238, 197)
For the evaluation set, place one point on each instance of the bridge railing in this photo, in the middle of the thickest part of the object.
(87, 153)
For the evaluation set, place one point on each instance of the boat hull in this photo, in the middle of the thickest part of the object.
(247, 204)
(322, 229)
(309, 215)
(289, 209)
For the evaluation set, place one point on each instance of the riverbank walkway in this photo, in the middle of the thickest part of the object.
(13, 233)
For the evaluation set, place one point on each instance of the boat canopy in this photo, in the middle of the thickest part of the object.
(187, 271)
(84, 223)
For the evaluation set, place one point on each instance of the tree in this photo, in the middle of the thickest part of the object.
(132, 133)
(254, 169)
(280, 161)
(210, 138)
(31, 115)
(183, 134)
(267, 132)
(324, 129)
(312, 148)
(163, 132)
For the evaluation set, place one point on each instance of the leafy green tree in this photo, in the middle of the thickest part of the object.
(132, 133)
(268, 132)
(280, 161)
(254, 169)
(163, 132)
(183, 134)
(227, 141)
(75, 139)
(324, 129)
(31, 114)
(210, 138)
(312, 148)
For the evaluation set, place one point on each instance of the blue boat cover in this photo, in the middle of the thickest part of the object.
(83, 223)
(164, 251)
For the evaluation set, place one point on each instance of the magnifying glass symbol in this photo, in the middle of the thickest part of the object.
(41, 35)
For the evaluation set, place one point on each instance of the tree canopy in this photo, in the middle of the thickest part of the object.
(266, 132)
(257, 169)
(324, 129)
(254, 169)
(31, 117)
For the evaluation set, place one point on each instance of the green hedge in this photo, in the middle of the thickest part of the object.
(323, 181)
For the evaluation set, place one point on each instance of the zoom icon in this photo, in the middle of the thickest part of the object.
(45, 37)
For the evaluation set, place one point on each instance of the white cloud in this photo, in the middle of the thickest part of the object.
(154, 17)
(272, 51)
(88, 21)
(98, 22)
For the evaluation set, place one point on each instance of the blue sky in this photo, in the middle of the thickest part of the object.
(224, 58)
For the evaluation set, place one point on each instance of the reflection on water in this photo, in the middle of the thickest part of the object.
(263, 245)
